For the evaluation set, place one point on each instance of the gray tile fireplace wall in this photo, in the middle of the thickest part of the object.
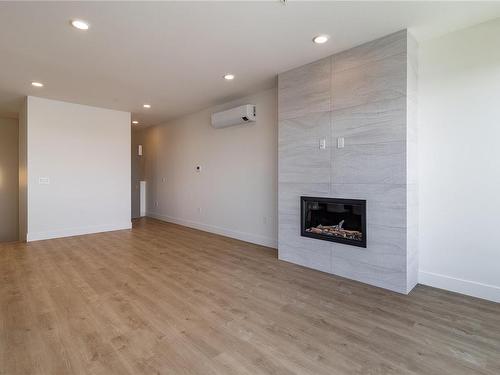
(367, 95)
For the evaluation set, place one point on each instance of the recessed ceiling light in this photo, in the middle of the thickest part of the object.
(79, 24)
(146, 105)
(135, 122)
(320, 39)
(229, 77)
(37, 84)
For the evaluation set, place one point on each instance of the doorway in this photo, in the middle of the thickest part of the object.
(9, 179)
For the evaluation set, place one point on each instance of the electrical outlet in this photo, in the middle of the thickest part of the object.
(264, 220)
(156, 203)
(199, 210)
(43, 181)
(164, 179)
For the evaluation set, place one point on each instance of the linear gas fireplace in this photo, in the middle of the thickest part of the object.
(334, 219)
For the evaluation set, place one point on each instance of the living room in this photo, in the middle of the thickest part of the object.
(249, 187)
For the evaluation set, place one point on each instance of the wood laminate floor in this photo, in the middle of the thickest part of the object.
(165, 299)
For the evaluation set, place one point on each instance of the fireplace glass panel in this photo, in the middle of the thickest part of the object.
(334, 219)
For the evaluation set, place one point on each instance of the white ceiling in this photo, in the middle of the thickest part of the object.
(173, 55)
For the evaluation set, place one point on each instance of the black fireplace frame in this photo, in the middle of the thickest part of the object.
(347, 241)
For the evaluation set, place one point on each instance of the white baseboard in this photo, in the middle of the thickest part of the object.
(68, 232)
(247, 237)
(467, 287)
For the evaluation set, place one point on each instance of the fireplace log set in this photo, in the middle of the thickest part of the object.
(337, 231)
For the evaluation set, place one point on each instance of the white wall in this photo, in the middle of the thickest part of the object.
(9, 186)
(85, 152)
(235, 194)
(459, 157)
(23, 170)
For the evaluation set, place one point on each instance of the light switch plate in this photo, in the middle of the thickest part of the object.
(43, 181)
(340, 142)
(322, 144)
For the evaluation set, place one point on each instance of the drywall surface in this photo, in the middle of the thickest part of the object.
(234, 193)
(78, 169)
(9, 180)
(459, 159)
(23, 170)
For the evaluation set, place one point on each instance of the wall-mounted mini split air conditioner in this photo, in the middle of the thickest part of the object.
(240, 115)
